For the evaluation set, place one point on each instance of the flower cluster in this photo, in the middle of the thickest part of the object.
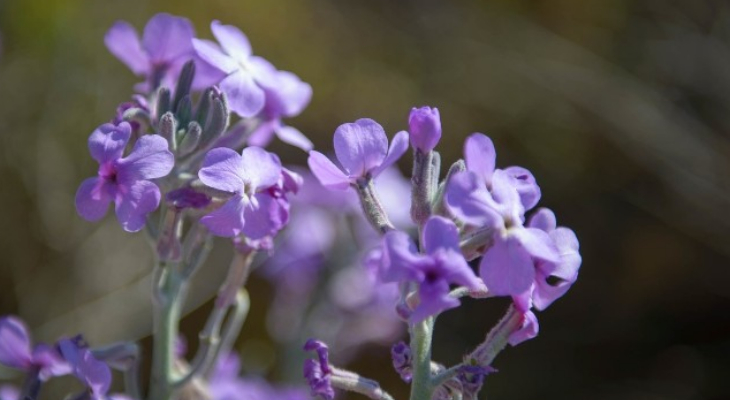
(476, 212)
(185, 160)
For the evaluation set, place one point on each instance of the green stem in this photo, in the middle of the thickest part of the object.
(421, 335)
(496, 339)
(372, 207)
(167, 316)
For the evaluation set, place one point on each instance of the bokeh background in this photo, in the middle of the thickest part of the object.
(620, 108)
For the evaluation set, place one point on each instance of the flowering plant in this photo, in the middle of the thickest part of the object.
(185, 160)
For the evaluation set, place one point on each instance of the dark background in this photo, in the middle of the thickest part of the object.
(620, 108)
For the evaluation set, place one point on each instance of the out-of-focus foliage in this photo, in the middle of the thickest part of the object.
(620, 108)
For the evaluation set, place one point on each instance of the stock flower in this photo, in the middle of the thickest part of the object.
(94, 374)
(124, 181)
(245, 73)
(362, 150)
(402, 360)
(165, 47)
(16, 351)
(552, 280)
(286, 96)
(225, 383)
(252, 210)
(317, 372)
(442, 265)
(496, 200)
(424, 126)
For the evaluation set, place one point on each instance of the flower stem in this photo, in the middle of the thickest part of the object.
(372, 207)
(496, 339)
(421, 335)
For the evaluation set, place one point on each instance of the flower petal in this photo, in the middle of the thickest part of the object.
(266, 218)
(93, 198)
(262, 169)
(50, 362)
(294, 137)
(107, 142)
(537, 243)
(507, 268)
(15, 351)
(122, 41)
(327, 172)
(527, 331)
(245, 97)
(401, 261)
(228, 220)
(232, 40)
(167, 37)
(480, 156)
(455, 269)
(289, 96)
(440, 233)
(95, 374)
(223, 170)
(543, 219)
(398, 146)
(526, 186)
(212, 54)
(469, 201)
(360, 146)
(149, 159)
(263, 133)
(134, 202)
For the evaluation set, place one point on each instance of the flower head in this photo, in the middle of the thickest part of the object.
(252, 210)
(245, 74)
(496, 200)
(165, 47)
(362, 150)
(424, 125)
(441, 265)
(124, 180)
(16, 351)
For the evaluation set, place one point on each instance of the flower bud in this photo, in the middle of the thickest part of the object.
(425, 128)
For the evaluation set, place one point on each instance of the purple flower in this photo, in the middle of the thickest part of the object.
(94, 374)
(252, 210)
(125, 181)
(442, 265)
(286, 96)
(402, 360)
(552, 279)
(491, 199)
(424, 125)
(226, 384)
(527, 330)
(362, 150)
(318, 372)
(245, 73)
(16, 351)
(165, 47)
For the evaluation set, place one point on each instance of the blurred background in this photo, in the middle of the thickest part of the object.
(620, 108)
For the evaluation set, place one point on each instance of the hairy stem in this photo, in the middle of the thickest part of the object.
(372, 207)
(421, 335)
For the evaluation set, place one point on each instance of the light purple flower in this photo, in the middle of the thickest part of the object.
(94, 374)
(552, 280)
(424, 126)
(318, 372)
(286, 96)
(124, 181)
(226, 384)
(491, 199)
(16, 351)
(442, 265)
(245, 74)
(165, 47)
(362, 150)
(252, 210)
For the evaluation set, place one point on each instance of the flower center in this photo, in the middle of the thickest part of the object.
(108, 171)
